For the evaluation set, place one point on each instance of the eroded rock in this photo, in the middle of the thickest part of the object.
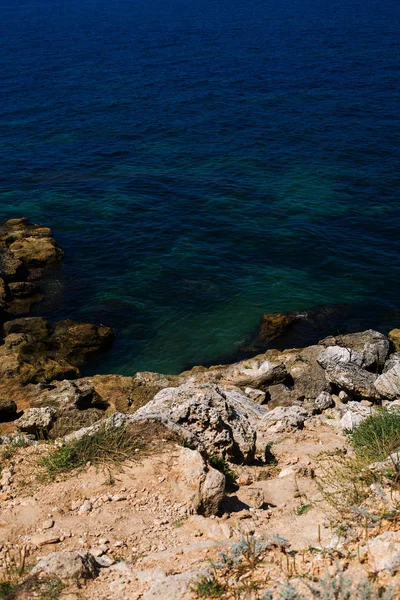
(220, 418)
(367, 349)
(68, 565)
(353, 380)
(285, 418)
(37, 421)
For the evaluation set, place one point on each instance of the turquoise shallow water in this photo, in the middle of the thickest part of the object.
(204, 162)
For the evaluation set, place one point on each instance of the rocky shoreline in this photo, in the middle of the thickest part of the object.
(297, 399)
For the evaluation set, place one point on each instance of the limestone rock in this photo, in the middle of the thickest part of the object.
(367, 349)
(251, 496)
(8, 410)
(171, 587)
(306, 377)
(202, 487)
(36, 420)
(216, 416)
(68, 565)
(70, 395)
(388, 384)
(353, 380)
(324, 401)
(383, 552)
(285, 418)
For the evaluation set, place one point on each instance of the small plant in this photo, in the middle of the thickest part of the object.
(269, 456)
(303, 509)
(6, 589)
(207, 586)
(223, 467)
(9, 450)
(235, 574)
(378, 436)
(335, 587)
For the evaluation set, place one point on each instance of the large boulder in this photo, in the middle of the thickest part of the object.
(218, 417)
(353, 379)
(367, 349)
(68, 565)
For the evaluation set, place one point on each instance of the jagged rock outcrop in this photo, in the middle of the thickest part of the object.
(388, 383)
(285, 418)
(219, 417)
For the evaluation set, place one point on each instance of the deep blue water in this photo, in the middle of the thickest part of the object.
(203, 162)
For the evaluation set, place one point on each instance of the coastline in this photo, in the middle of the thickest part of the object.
(134, 484)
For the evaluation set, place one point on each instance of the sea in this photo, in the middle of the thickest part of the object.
(203, 162)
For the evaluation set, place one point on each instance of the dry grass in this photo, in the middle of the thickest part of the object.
(109, 445)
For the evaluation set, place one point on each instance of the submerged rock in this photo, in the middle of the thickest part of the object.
(26, 250)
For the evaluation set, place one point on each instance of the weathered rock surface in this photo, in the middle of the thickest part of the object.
(70, 395)
(383, 552)
(324, 401)
(25, 251)
(217, 416)
(394, 337)
(202, 487)
(32, 244)
(367, 349)
(388, 383)
(353, 379)
(36, 421)
(68, 565)
(285, 418)
(34, 351)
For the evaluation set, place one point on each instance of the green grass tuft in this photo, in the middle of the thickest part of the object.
(378, 436)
